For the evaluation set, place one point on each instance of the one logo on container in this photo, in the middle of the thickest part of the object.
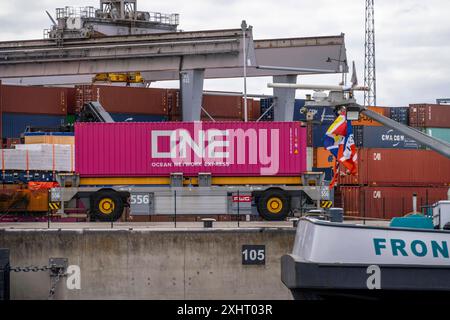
(214, 147)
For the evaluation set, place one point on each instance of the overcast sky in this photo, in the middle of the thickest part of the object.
(412, 36)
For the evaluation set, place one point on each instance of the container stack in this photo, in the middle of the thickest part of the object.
(432, 119)
(219, 107)
(392, 167)
(24, 107)
(125, 103)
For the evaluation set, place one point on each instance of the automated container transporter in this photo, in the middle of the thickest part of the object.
(216, 168)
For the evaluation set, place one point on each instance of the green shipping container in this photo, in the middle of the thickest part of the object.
(440, 133)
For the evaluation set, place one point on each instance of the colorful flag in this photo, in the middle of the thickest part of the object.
(339, 141)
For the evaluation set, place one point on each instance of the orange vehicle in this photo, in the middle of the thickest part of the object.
(18, 198)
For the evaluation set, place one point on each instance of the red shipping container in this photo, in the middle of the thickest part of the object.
(429, 115)
(34, 100)
(386, 202)
(224, 106)
(71, 101)
(221, 148)
(399, 167)
(124, 99)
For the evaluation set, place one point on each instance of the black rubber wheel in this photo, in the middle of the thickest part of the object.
(273, 205)
(106, 205)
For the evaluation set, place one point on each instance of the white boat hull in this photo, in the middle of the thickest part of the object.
(362, 261)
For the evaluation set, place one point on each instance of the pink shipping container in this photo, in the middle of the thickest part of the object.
(398, 167)
(226, 149)
(386, 202)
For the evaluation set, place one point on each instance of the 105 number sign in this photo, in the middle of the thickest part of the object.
(253, 255)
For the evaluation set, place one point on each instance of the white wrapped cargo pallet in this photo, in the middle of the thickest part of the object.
(13, 159)
(39, 157)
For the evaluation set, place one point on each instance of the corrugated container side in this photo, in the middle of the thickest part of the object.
(122, 117)
(124, 99)
(323, 158)
(14, 124)
(321, 115)
(34, 100)
(429, 115)
(382, 137)
(440, 133)
(133, 149)
(366, 121)
(223, 106)
(254, 109)
(71, 101)
(318, 135)
(386, 202)
(397, 167)
(173, 104)
(400, 114)
(266, 104)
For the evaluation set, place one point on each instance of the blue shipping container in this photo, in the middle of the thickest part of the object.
(269, 116)
(318, 134)
(400, 114)
(120, 117)
(265, 104)
(328, 172)
(320, 114)
(383, 137)
(14, 124)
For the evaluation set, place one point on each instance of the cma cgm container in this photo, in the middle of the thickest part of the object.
(396, 167)
(429, 115)
(382, 137)
(386, 202)
(211, 168)
(220, 148)
(319, 115)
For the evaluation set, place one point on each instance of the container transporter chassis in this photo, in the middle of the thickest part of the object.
(272, 198)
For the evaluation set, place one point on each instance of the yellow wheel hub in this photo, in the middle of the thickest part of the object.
(274, 205)
(106, 206)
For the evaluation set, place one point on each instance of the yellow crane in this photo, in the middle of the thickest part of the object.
(130, 77)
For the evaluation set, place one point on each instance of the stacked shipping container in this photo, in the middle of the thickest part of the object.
(154, 105)
(31, 106)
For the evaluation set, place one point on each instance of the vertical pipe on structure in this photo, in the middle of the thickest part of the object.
(244, 45)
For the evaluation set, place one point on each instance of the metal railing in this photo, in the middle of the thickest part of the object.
(71, 12)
